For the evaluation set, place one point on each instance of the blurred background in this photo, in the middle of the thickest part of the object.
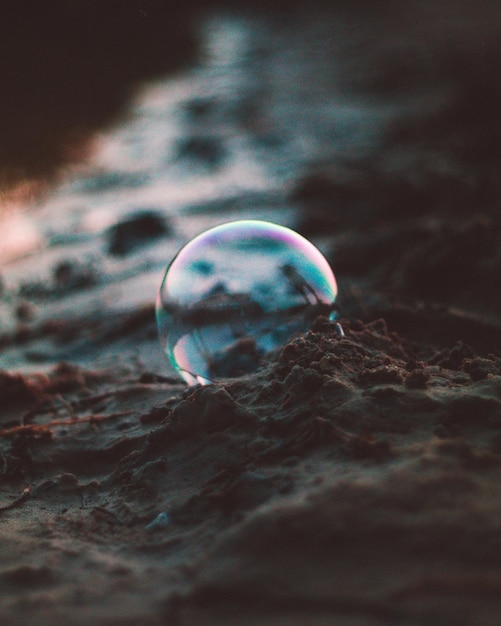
(129, 126)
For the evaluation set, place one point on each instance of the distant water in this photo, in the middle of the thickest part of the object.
(224, 138)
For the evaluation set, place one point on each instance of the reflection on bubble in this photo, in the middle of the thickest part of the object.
(237, 292)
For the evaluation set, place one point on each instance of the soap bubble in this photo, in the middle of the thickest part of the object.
(237, 292)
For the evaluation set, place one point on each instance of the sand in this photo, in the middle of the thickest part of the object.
(351, 480)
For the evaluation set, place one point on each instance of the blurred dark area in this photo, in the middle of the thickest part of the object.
(67, 68)
(424, 224)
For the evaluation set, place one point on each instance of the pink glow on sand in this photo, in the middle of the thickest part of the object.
(19, 236)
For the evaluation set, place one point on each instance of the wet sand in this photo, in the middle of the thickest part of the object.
(351, 480)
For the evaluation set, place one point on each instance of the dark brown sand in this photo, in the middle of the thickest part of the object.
(353, 480)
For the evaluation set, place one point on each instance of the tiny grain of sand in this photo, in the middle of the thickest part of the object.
(351, 480)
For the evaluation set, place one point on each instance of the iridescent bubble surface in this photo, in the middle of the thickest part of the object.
(236, 293)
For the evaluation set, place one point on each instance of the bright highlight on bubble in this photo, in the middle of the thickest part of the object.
(236, 293)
